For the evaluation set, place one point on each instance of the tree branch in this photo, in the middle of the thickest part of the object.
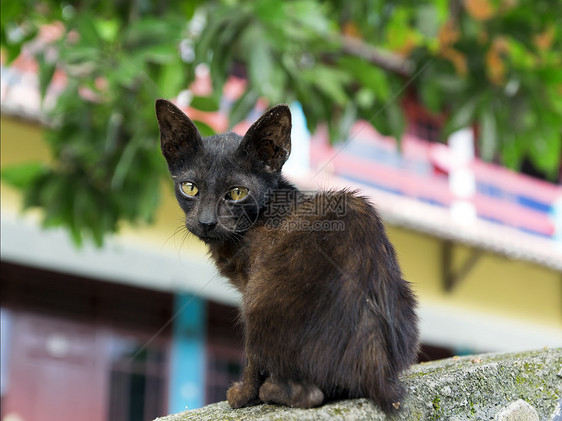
(381, 58)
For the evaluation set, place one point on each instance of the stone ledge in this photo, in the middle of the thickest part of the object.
(476, 387)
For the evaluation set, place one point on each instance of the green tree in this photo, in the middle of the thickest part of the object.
(490, 63)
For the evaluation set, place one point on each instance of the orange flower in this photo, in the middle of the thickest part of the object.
(479, 9)
(495, 65)
(409, 44)
(508, 4)
(544, 40)
(448, 35)
(351, 30)
(457, 58)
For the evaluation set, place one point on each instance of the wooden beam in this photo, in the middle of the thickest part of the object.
(452, 278)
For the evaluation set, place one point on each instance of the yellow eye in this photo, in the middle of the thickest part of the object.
(189, 189)
(237, 193)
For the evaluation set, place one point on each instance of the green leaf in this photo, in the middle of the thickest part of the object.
(108, 29)
(451, 84)
(242, 107)
(84, 24)
(347, 120)
(365, 98)
(368, 75)
(261, 66)
(546, 151)
(46, 71)
(330, 81)
(12, 48)
(159, 54)
(189, 8)
(427, 20)
(12, 51)
(488, 134)
(149, 198)
(124, 165)
(23, 175)
(512, 151)
(203, 128)
(431, 95)
(461, 117)
(379, 120)
(312, 16)
(173, 78)
(81, 56)
(205, 103)
(149, 31)
(396, 120)
(270, 11)
(126, 72)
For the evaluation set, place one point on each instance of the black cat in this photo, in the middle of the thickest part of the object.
(325, 310)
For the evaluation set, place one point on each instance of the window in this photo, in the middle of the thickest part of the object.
(224, 367)
(426, 129)
(225, 351)
(137, 380)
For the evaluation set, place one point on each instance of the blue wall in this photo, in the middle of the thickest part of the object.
(187, 363)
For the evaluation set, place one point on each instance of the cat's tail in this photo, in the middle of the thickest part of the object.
(382, 384)
(381, 381)
(389, 396)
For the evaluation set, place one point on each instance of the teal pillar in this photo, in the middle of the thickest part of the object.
(187, 362)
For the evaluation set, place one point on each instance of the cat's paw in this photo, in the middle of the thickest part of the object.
(293, 394)
(239, 397)
(272, 392)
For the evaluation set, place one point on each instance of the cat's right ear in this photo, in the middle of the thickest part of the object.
(268, 140)
(179, 138)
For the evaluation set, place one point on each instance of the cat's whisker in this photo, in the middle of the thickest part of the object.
(186, 234)
(178, 229)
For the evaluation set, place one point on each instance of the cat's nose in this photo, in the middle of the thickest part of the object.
(208, 225)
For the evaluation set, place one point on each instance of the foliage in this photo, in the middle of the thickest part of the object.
(497, 65)
(491, 63)
(117, 57)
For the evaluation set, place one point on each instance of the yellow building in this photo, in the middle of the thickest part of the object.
(501, 282)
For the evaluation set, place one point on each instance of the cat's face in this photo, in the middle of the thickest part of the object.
(221, 182)
(219, 196)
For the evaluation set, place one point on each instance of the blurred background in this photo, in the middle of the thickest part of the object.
(446, 114)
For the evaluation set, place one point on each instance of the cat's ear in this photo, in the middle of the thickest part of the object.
(179, 138)
(268, 140)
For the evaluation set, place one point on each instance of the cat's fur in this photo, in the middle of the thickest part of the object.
(326, 313)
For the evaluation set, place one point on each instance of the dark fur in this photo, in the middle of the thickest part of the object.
(326, 314)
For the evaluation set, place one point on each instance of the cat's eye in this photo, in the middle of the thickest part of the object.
(237, 193)
(189, 189)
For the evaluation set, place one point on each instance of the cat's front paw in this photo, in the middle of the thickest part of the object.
(290, 393)
(239, 397)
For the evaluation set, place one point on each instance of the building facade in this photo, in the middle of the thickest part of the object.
(146, 326)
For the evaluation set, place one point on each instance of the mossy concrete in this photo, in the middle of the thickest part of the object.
(468, 388)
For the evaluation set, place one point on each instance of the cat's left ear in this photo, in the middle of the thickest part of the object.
(268, 140)
(179, 138)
